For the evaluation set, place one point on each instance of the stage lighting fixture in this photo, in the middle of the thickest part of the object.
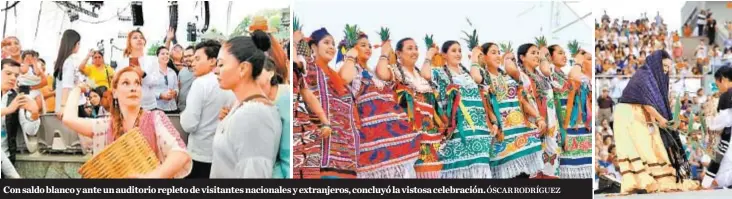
(173, 10)
(73, 16)
(137, 17)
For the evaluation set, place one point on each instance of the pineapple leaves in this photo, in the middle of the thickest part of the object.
(351, 33)
(573, 47)
(471, 39)
(296, 24)
(384, 33)
(506, 47)
(541, 41)
(428, 40)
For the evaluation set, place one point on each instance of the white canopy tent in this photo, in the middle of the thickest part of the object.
(44, 34)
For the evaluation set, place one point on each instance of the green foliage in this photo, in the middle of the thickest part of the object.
(428, 40)
(471, 39)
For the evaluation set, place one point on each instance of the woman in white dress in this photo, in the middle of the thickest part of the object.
(247, 140)
(134, 56)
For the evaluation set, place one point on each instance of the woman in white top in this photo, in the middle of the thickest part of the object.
(134, 55)
(166, 86)
(247, 140)
(66, 70)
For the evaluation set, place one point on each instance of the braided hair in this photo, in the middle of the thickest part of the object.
(445, 48)
(400, 47)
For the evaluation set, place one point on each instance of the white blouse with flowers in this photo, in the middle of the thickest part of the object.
(157, 130)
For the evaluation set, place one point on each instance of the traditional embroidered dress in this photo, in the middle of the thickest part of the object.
(157, 129)
(543, 93)
(642, 157)
(339, 149)
(418, 99)
(520, 151)
(467, 151)
(573, 101)
(307, 139)
(387, 146)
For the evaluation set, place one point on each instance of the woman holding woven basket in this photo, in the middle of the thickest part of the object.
(248, 138)
(128, 116)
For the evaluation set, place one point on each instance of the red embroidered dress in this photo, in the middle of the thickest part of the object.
(338, 149)
(307, 141)
(387, 144)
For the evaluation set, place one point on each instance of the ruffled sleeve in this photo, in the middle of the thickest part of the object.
(168, 141)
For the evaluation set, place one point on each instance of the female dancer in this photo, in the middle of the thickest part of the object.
(307, 154)
(642, 110)
(572, 97)
(387, 146)
(417, 97)
(339, 148)
(126, 114)
(247, 140)
(518, 149)
(540, 89)
(466, 153)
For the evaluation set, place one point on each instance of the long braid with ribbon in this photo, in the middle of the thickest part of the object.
(491, 97)
(453, 93)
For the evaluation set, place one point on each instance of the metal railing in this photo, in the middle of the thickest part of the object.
(617, 83)
(54, 137)
(628, 76)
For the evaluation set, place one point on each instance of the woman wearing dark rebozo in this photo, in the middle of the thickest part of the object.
(643, 111)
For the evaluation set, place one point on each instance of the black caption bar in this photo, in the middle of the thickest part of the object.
(480, 188)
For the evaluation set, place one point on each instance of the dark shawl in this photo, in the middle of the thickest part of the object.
(649, 85)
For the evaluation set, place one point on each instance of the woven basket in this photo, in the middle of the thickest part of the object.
(130, 154)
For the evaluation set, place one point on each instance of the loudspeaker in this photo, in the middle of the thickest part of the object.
(137, 18)
(191, 29)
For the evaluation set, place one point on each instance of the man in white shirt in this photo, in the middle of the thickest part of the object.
(19, 113)
(204, 100)
(719, 172)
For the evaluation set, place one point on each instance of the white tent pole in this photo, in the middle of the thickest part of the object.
(228, 17)
(5, 23)
(38, 21)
